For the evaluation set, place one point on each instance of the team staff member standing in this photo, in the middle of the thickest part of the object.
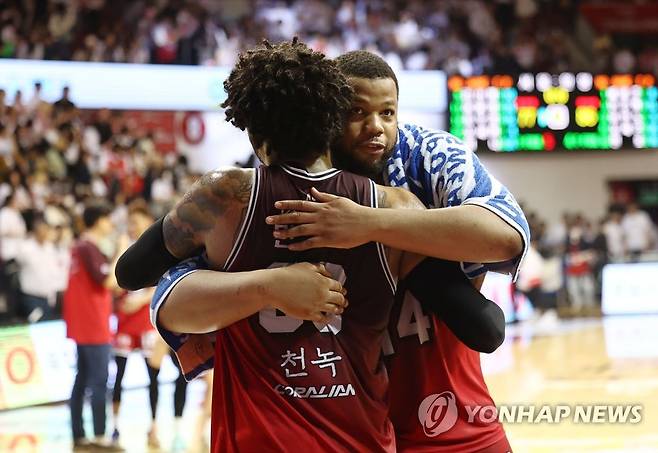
(87, 309)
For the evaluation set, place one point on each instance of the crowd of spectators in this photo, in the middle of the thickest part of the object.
(75, 187)
(459, 36)
(55, 160)
(563, 268)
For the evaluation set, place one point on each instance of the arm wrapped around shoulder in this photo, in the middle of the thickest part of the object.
(443, 289)
(145, 261)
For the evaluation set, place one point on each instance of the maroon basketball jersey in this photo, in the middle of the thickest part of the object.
(284, 384)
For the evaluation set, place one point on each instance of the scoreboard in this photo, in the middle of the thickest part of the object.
(545, 112)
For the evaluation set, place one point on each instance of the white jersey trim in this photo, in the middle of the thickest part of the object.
(505, 218)
(299, 173)
(381, 251)
(246, 223)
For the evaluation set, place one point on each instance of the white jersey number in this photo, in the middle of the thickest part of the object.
(412, 320)
(274, 322)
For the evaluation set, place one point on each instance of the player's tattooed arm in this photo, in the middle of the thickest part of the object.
(196, 214)
(394, 197)
(216, 201)
(382, 199)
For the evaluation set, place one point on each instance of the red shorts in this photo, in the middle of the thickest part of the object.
(125, 343)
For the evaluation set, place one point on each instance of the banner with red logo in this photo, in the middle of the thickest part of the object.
(35, 367)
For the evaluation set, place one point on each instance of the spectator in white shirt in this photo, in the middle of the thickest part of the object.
(35, 100)
(638, 230)
(18, 186)
(39, 262)
(7, 144)
(614, 235)
(12, 227)
(163, 188)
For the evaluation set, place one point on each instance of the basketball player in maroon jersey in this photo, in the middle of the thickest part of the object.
(377, 75)
(434, 378)
(284, 382)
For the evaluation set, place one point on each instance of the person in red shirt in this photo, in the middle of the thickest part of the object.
(87, 308)
(135, 333)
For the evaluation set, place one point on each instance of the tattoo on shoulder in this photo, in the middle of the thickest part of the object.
(396, 197)
(197, 212)
(382, 198)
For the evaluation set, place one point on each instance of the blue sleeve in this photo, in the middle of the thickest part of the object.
(194, 351)
(441, 171)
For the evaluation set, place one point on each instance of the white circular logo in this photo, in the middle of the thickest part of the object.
(438, 413)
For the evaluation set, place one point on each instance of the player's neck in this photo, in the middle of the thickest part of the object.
(320, 164)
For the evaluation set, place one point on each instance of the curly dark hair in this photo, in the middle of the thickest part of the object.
(366, 65)
(289, 96)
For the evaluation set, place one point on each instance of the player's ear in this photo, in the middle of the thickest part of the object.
(262, 149)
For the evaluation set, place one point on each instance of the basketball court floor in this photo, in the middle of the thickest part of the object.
(576, 366)
(610, 362)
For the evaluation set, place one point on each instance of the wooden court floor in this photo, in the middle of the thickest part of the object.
(606, 362)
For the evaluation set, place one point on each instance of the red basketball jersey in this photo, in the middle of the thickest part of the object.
(283, 384)
(87, 303)
(434, 378)
(135, 323)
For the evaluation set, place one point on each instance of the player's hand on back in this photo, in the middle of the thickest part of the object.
(330, 221)
(305, 291)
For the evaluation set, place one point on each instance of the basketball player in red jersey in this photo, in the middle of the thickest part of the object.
(436, 381)
(135, 333)
(284, 383)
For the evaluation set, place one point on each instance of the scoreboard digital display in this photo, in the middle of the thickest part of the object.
(545, 112)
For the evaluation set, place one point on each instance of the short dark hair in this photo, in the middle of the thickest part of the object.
(289, 96)
(366, 65)
(38, 219)
(95, 210)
